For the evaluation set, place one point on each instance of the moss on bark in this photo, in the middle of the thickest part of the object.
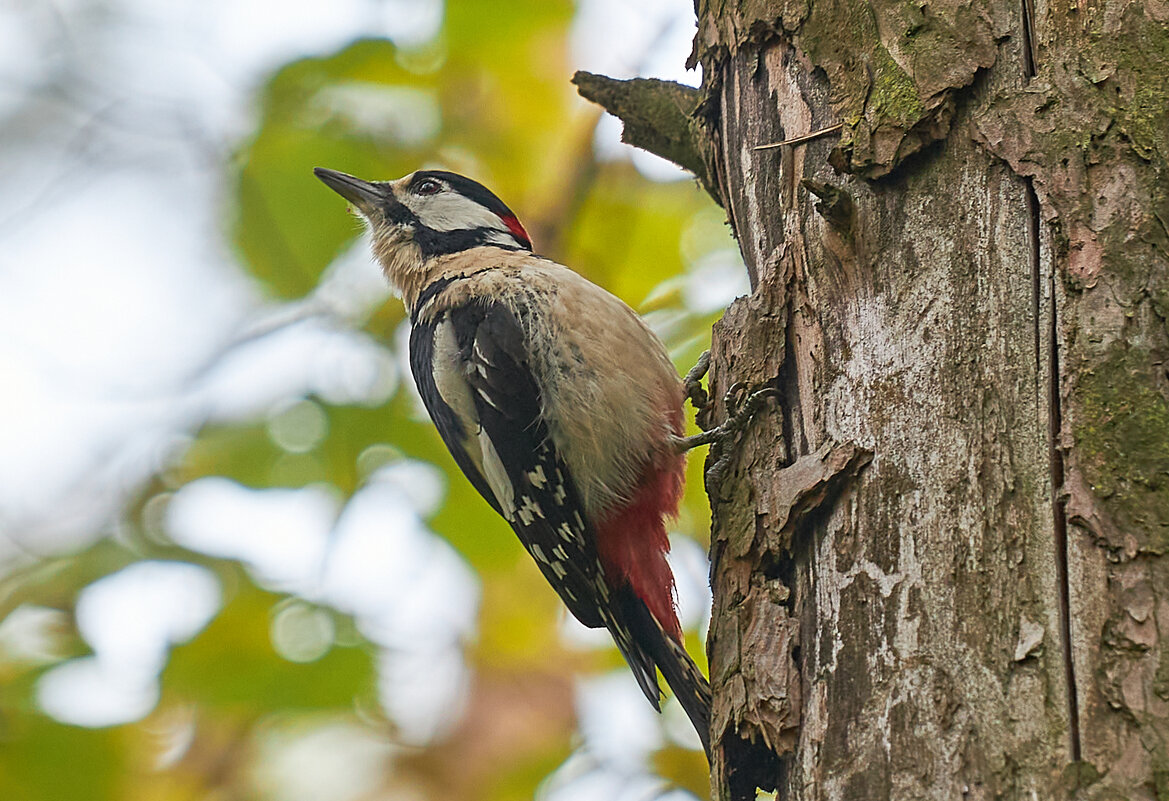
(1121, 433)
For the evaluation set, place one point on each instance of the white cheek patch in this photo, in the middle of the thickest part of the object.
(450, 211)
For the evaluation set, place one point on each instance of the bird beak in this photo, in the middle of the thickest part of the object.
(362, 194)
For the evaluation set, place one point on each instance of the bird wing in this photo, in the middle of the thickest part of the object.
(471, 367)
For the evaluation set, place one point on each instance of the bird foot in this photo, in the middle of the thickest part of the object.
(741, 410)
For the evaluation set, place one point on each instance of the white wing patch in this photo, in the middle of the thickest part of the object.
(453, 387)
(448, 378)
(496, 476)
(529, 510)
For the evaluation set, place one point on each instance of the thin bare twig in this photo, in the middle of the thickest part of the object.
(795, 140)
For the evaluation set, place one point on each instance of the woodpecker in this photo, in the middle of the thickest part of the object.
(557, 402)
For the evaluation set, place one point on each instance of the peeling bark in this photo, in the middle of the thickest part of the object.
(892, 70)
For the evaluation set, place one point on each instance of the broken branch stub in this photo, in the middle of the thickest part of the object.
(658, 117)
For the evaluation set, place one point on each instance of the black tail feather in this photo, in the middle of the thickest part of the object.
(644, 644)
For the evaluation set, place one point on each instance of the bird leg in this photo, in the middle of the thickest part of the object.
(740, 412)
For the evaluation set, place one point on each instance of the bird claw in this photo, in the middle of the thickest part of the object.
(740, 412)
(741, 407)
(733, 397)
(692, 383)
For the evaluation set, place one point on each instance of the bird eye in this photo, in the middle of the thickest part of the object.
(428, 186)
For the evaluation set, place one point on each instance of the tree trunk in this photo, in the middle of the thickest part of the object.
(939, 567)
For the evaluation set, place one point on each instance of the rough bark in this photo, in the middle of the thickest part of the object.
(940, 568)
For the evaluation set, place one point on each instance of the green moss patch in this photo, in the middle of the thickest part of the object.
(1121, 432)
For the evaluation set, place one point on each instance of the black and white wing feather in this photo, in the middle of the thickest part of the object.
(472, 368)
(472, 371)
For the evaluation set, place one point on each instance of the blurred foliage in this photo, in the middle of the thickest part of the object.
(228, 668)
(490, 97)
(31, 764)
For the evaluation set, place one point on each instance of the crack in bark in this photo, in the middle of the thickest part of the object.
(1055, 412)
(1059, 517)
(1029, 38)
(1056, 464)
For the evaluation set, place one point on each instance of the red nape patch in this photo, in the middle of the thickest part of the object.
(514, 226)
(632, 543)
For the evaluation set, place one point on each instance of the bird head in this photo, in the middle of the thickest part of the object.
(429, 213)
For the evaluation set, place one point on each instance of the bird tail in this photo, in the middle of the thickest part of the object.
(646, 646)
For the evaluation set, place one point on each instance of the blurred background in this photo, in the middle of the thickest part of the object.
(235, 560)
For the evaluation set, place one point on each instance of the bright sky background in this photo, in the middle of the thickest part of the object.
(118, 294)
